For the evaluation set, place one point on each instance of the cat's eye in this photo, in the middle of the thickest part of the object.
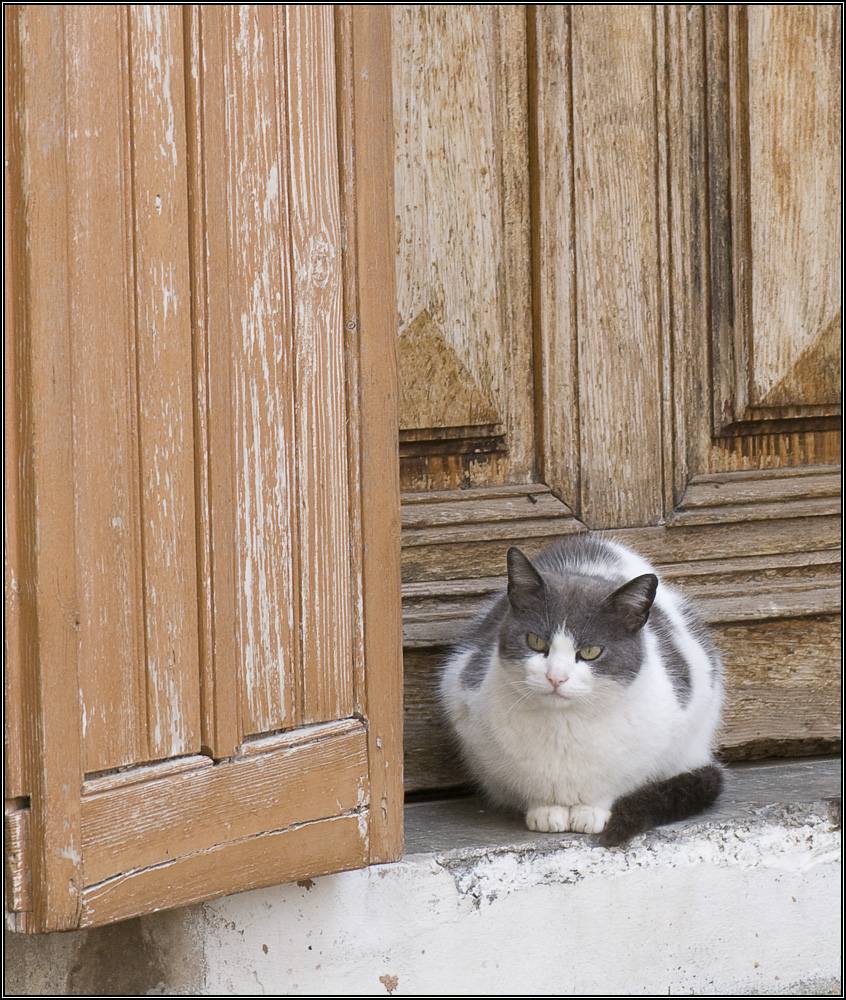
(537, 643)
(589, 652)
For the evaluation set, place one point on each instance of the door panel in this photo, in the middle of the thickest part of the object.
(669, 410)
(464, 316)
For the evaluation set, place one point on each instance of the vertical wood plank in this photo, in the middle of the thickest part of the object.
(553, 252)
(667, 385)
(163, 322)
(322, 467)
(689, 232)
(205, 48)
(261, 338)
(373, 258)
(37, 38)
(345, 92)
(104, 400)
(17, 781)
(512, 121)
(617, 265)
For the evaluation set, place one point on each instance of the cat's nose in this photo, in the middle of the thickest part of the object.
(556, 682)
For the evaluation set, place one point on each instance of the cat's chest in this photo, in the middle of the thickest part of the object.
(614, 723)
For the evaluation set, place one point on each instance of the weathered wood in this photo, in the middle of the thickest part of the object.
(554, 297)
(688, 223)
(263, 350)
(736, 588)
(181, 287)
(320, 407)
(430, 758)
(352, 333)
(705, 263)
(16, 838)
(775, 368)
(177, 815)
(367, 157)
(52, 732)
(617, 265)
(794, 100)
(640, 194)
(266, 859)
(211, 306)
(782, 686)
(165, 378)
(507, 503)
(17, 781)
(463, 252)
(106, 444)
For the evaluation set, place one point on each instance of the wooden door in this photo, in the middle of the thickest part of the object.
(202, 574)
(618, 279)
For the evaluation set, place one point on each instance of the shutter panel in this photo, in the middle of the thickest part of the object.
(202, 570)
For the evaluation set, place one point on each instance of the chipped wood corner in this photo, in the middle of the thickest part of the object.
(18, 901)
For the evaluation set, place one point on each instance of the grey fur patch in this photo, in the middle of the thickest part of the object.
(482, 640)
(475, 668)
(672, 657)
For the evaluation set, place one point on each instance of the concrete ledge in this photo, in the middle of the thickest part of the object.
(744, 900)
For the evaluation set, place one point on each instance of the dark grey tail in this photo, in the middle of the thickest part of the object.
(660, 802)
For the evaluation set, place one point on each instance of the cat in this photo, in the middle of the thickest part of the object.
(588, 695)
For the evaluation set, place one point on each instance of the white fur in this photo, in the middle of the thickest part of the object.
(564, 754)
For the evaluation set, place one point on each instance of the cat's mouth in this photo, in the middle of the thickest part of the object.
(560, 696)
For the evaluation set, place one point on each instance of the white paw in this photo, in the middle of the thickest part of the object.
(548, 819)
(588, 819)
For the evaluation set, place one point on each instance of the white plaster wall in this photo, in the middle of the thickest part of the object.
(726, 910)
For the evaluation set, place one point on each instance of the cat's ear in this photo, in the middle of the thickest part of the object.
(631, 603)
(525, 584)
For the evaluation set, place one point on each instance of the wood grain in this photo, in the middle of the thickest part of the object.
(164, 359)
(554, 293)
(50, 607)
(320, 410)
(211, 312)
(140, 825)
(617, 266)
(17, 781)
(268, 859)
(106, 443)
(794, 61)
(782, 682)
(16, 839)
(263, 368)
(180, 286)
(368, 159)
(462, 230)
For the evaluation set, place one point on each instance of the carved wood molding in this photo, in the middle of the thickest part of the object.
(755, 200)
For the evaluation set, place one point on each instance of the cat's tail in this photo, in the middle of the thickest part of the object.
(660, 802)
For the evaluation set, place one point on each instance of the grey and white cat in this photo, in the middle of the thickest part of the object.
(588, 695)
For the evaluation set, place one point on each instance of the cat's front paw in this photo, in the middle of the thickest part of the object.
(548, 819)
(588, 819)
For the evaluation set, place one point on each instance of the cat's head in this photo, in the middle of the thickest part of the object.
(565, 635)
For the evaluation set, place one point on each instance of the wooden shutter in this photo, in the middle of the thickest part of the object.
(625, 277)
(202, 573)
